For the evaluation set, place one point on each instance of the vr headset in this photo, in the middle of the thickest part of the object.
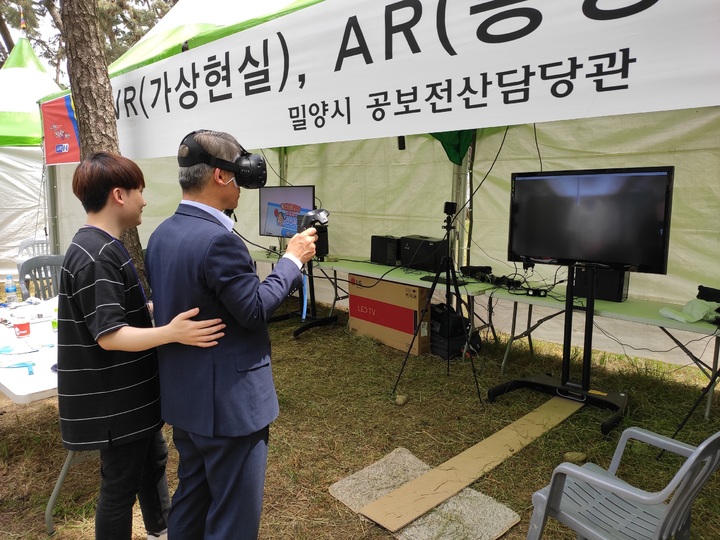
(250, 171)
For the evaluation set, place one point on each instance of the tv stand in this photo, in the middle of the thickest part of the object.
(564, 386)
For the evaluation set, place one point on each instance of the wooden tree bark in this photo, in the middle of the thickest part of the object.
(7, 40)
(92, 95)
(54, 14)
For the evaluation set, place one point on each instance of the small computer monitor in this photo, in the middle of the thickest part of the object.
(280, 207)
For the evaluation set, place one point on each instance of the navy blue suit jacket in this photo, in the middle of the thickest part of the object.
(226, 390)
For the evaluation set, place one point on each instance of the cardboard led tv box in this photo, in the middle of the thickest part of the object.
(389, 312)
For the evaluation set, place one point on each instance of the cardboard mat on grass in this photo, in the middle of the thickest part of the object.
(408, 501)
(469, 514)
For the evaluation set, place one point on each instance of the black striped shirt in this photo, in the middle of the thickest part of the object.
(105, 397)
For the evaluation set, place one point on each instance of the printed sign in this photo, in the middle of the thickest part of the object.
(352, 69)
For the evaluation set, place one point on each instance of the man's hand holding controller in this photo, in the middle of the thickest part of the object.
(302, 245)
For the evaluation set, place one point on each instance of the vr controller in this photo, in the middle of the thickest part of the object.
(319, 216)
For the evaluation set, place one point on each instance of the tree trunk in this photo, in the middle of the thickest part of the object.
(92, 95)
(89, 79)
(54, 14)
(6, 37)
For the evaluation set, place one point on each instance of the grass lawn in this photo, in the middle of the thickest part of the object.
(338, 416)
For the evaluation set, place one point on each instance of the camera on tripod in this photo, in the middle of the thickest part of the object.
(454, 333)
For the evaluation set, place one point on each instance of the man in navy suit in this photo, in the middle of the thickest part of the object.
(220, 401)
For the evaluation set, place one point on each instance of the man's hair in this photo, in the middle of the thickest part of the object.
(216, 143)
(99, 173)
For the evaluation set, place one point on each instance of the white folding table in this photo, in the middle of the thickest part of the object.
(27, 375)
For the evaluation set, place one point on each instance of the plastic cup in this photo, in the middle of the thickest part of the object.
(22, 328)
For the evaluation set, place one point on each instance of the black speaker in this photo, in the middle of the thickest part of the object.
(322, 245)
(422, 252)
(385, 250)
(610, 284)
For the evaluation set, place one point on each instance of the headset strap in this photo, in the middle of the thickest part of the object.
(199, 155)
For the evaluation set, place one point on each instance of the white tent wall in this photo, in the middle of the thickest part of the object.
(22, 205)
(689, 140)
(371, 188)
(162, 194)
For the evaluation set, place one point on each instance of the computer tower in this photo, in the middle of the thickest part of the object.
(610, 284)
(385, 250)
(422, 252)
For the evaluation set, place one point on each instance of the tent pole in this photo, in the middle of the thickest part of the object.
(52, 208)
(283, 165)
(462, 195)
(283, 169)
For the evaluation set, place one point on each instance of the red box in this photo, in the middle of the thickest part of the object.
(389, 312)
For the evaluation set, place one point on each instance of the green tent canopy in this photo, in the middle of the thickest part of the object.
(23, 81)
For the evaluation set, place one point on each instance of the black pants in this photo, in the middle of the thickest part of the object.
(129, 471)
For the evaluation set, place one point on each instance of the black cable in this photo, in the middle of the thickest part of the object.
(267, 163)
(502, 143)
(268, 250)
(382, 276)
(284, 180)
(537, 145)
(623, 345)
(333, 281)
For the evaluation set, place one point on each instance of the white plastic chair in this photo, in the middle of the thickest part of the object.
(597, 505)
(30, 247)
(44, 273)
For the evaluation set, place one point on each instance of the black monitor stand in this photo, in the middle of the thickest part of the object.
(565, 387)
(311, 320)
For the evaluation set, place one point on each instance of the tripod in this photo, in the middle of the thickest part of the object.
(446, 267)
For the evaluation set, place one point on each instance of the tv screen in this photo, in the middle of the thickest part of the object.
(280, 207)
(618, 218)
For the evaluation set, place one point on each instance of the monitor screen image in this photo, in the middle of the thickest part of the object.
(280, 207)
(617, 218)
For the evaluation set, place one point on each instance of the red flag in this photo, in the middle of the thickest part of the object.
(61, 139)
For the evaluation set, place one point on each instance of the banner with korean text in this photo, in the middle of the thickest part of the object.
(346, 70)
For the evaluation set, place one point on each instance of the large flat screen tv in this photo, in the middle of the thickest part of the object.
(616, 218)
(280, 207)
